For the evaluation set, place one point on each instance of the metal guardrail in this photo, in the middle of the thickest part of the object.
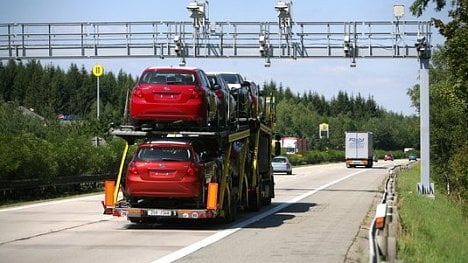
(18, 185)
(382, 240)
(373, 247)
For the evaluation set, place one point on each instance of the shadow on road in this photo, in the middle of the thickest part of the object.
(280, 217)
(273, 220)
(180, 224)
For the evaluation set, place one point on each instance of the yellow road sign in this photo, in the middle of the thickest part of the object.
(324, 127)
(98, 70)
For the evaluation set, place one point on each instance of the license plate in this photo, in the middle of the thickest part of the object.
(160, 173)
(159, 212)
(167, 96)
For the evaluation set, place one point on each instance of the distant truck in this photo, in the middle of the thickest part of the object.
(293, 145)
(359, 149)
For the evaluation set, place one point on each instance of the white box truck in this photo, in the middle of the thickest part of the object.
(359, 149)
(293, 145)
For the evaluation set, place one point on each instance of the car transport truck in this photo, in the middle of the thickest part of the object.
(359, 149)
(194, 174)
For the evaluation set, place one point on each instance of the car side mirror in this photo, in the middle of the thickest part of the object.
(245, 84)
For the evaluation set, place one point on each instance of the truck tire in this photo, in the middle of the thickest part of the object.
(269, 193)
(230, 209)
(255, 199)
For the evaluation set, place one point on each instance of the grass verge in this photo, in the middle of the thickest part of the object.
(432, 229)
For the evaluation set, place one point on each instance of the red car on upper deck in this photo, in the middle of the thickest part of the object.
(167, 96)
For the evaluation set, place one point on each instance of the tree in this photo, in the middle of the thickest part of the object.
(449, 97)
(34, 96)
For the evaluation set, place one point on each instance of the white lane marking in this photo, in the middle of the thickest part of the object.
(222, 234)
(48, 203)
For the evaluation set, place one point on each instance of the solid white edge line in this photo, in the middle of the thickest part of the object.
(48, 203)
(224, 233)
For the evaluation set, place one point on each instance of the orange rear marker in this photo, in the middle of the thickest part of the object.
(212, 200)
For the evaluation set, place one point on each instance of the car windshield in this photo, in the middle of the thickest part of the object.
(163, 154)
(279, 160)
(231, 78)
(167, 77)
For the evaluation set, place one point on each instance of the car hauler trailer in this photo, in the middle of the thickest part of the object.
(237, 174)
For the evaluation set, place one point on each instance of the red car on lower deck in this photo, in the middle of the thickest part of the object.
(167, 168)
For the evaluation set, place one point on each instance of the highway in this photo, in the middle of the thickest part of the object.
(315, 216)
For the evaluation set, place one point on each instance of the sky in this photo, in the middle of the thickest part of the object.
(385, 80)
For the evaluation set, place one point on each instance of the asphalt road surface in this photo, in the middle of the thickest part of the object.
(315, 216)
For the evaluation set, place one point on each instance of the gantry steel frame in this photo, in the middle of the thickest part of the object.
(371, 39)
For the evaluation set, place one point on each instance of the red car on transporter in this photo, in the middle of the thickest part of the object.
(167, 96)
(169, 167)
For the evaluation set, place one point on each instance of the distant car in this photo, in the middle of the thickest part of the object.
(412, 157)
(281, 164)
(388, 157)
(173, 96)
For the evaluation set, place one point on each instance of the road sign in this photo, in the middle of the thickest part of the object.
(98, 70)
(324, 127)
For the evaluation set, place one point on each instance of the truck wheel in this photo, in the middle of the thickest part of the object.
(269, 192)
(230, 209)
(255, 199)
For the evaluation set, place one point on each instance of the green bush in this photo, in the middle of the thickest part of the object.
(432, 229)
(458, 171)
(106, 159)
(24, 156)
(315, 157)
(74, 156)
(35, 148)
